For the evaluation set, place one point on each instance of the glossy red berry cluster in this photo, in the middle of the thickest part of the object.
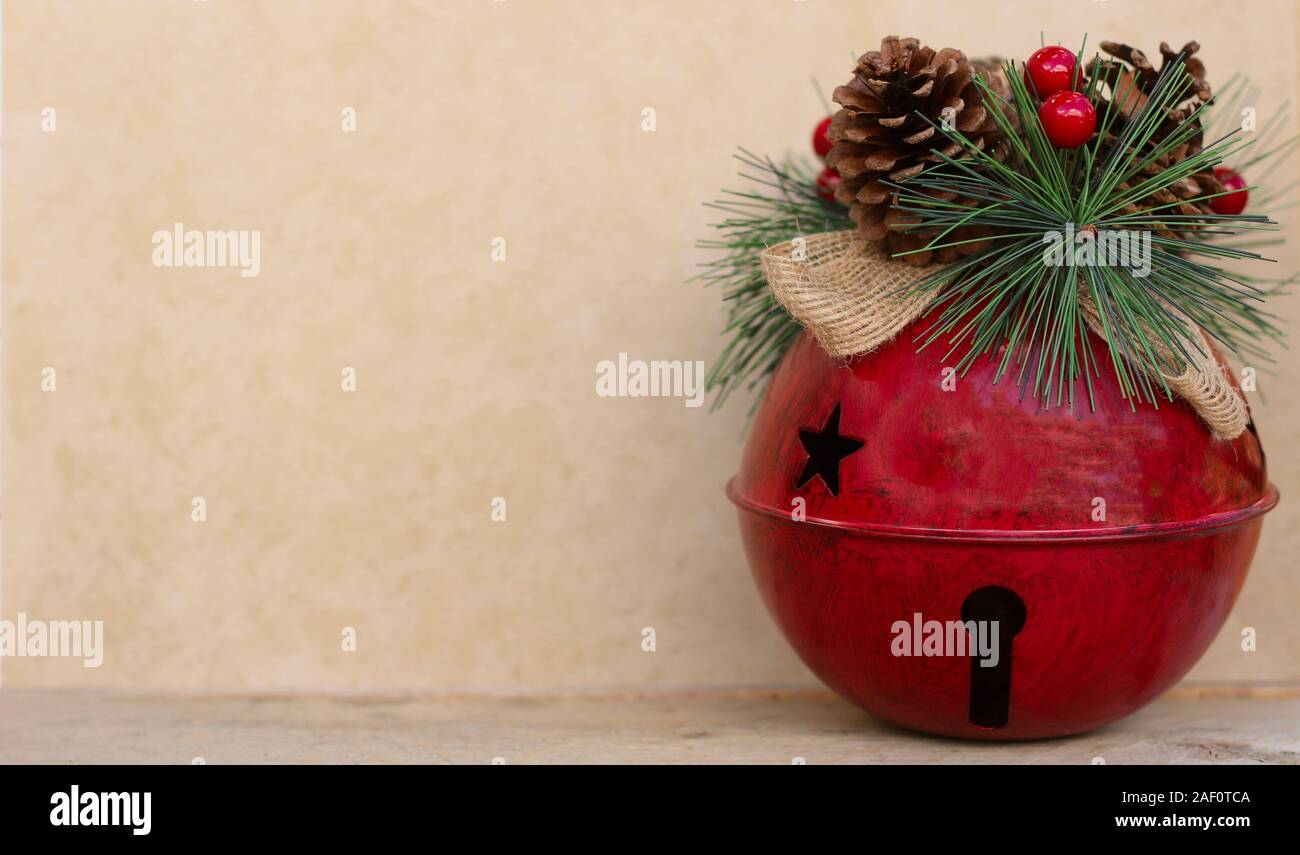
(1068, 117)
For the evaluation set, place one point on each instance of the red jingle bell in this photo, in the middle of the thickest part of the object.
(960, 560)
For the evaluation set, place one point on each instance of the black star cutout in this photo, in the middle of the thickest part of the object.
(826, 448)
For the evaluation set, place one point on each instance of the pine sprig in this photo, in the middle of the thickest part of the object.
(1008, 299)
(780, 203)
(1223, 114)
(1004, 303)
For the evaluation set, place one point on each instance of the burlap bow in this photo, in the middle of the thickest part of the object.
(853, 297)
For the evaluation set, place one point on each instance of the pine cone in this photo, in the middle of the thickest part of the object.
(1138, 76)
(877, 135)
(1128, 83)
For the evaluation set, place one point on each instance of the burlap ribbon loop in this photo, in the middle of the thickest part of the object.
(853, 297)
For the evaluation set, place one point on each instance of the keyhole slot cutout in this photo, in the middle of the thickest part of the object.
(990, 680)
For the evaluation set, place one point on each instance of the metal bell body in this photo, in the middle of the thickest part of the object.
(956, 488)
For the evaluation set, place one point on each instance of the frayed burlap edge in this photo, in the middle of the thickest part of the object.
(853, 297)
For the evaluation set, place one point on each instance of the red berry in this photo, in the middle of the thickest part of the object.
(1068, 119)
(822, 138)
(827, 181)
(1233, 203)
(1050, 70)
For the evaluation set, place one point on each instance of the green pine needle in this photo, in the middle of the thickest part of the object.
(781, 204)
(1005, 303)
(1009, 300)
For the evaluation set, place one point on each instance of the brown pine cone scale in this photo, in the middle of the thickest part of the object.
(1125, 83)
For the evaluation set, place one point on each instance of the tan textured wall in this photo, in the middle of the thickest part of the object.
(326, 509)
